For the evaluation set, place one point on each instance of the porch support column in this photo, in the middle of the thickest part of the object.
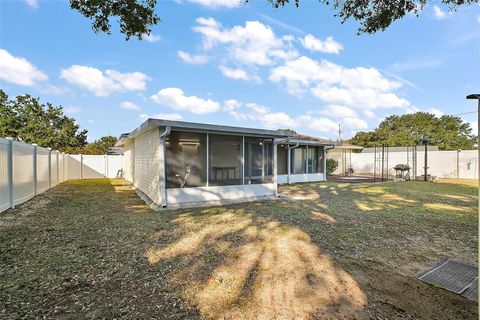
(243, 160)
(208, 159)
(275, 167)
(288, 163)
(163, 167)
(324, 164)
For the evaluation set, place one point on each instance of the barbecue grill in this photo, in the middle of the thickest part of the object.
(402, 172)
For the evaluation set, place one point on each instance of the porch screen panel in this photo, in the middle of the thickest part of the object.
(320, 162)
(298, 161)
(312, 159)
(225, 160)
(186, 159)
(282, 159)
(258, 160)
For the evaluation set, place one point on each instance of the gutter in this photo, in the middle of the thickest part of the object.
(163, 172)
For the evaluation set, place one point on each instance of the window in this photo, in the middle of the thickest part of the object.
(297, 160)
(258, 160)
(186, 154)
(225, 160)
(311, 157)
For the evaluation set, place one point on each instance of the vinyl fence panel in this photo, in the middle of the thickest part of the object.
(23, 180)
(43, 171)
(4, 183)
(93, 166)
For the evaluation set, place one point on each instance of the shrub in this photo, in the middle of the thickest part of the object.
(332, 165)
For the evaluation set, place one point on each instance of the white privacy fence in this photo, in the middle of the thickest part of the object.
(442, 164)
(27, 170)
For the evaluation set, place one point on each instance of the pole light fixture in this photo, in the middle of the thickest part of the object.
(476, 96)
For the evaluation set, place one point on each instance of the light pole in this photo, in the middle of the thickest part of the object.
(476, 96)
(425, 141)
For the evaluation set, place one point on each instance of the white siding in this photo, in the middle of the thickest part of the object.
(147, 165)
(128, 160)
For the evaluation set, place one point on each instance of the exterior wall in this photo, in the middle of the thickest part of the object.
(128, 161)
(148, 164)
(295, 178)
(218, 193)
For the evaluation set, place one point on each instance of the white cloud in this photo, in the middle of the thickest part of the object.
(329, 45)
(164, 116)
(151, 37)
(439, 13)
(127, 105)
(176, 99)
(216, 4)
(32, 3)
(478, 19)
(19, 70)
(251, 44)
(192, 59)
(71, 110)
(104, 83)
(337, 111)
(237, 74)
(359, 87)
(369, 113)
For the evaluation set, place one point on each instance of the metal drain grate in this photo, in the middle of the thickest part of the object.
(453, 276)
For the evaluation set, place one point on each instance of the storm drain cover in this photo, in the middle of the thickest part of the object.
(453, 276)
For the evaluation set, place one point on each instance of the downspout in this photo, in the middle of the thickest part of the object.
(275, 177)
(289, 160)
(163, 161)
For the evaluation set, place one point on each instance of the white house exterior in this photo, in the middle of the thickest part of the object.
(178, 163)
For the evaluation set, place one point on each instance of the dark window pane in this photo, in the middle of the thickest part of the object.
(282, 160)
(225, 160)
(186, 159)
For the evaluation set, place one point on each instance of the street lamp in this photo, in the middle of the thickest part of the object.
(424, 140)
(476, 96)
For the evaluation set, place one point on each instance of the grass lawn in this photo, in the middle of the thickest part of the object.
(92, 249)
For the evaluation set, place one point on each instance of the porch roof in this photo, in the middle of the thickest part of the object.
(151, 124)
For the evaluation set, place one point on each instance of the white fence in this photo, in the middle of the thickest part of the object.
(27, 170)
(442, 164)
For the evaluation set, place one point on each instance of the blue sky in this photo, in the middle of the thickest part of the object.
(249, 65)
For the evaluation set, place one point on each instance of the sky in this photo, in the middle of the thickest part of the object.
(220, 62)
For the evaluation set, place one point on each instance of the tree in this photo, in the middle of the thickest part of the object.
(287, 131)
(446, 132)
(99, 146)
(26, 119)
(136, 17)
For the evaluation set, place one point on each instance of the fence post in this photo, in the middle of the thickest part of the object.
(35, 173)
(458, 163)
(58, 168)
(81, 166)
(10, 170)
(49, 168)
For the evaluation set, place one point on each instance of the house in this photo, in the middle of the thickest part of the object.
(176, 163)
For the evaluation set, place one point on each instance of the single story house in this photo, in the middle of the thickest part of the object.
(176, 163)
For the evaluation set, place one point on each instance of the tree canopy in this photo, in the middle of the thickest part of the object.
(99, 146)
(26, 119)
(446, 132)
(136, 17)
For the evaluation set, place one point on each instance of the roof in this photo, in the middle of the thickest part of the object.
(151, 124)
(309, 140)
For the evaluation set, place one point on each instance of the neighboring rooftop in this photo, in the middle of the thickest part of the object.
(400, 149)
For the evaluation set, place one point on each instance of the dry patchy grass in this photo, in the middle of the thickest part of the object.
(92, 249)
